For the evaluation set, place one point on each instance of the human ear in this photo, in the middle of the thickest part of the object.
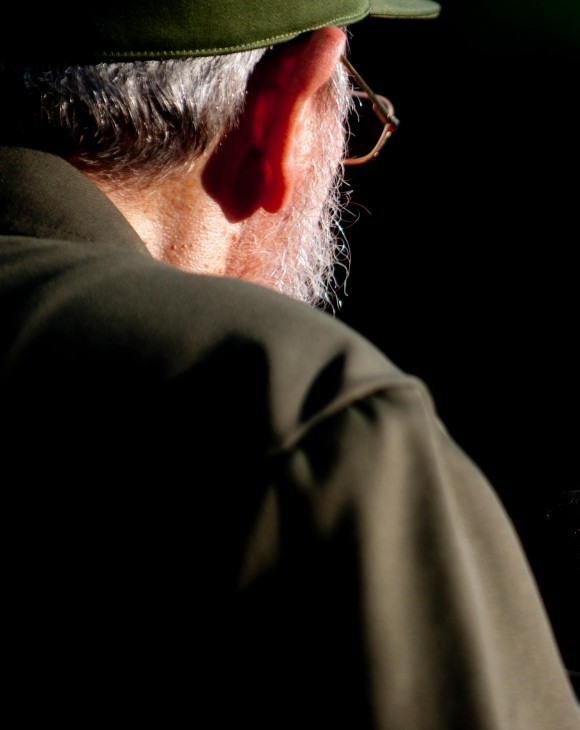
(252, 167)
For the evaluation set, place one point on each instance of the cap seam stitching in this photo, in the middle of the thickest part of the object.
(252, 44)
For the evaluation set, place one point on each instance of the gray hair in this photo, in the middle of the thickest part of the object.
(139, 119)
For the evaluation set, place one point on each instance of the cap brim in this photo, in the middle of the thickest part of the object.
(404, 9)
(143, 29)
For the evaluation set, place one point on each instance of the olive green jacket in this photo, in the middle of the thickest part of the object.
(223, 508)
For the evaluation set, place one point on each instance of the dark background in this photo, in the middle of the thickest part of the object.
(464, 252)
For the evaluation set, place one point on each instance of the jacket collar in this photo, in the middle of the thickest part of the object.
(43, 196)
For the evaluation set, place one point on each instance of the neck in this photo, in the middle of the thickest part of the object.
(177, 221)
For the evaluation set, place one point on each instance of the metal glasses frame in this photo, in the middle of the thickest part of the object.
(383, 109)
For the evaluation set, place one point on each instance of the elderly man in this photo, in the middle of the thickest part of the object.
(221, 505)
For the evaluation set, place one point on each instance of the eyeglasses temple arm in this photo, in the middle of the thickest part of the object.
(383, 113)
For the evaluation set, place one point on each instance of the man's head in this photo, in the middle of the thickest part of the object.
(217, 127)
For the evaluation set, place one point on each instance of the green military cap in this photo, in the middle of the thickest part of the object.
(141, 29)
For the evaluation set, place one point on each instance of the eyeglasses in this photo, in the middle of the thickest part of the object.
(384, 117)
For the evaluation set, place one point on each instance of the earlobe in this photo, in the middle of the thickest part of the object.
(252, 167)
(252, 181)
